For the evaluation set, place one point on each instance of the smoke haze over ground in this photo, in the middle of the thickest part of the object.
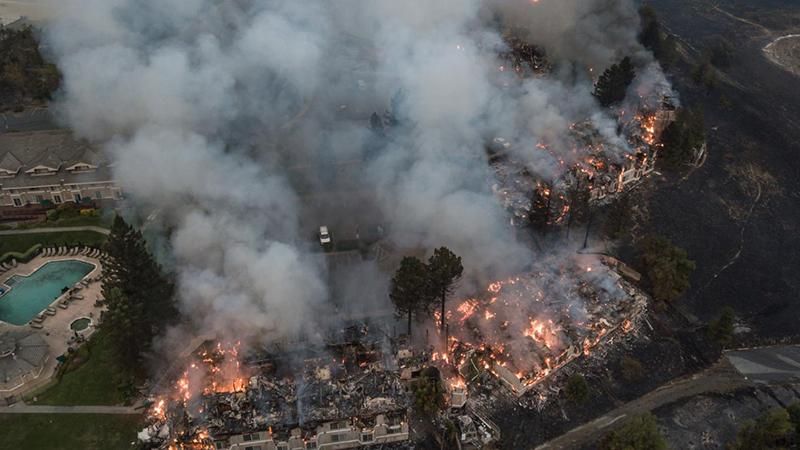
(205, 104)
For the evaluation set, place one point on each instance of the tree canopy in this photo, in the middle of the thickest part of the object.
(772, 430)
(720, 330)
(631, 368)
(613, 83)
(24, 73)
(638, 433)
(410, 288)
(682, 138)
(428, 392)
(653, 38)
(577, 390)
(667, 267)
(444, 269)
(140, 297)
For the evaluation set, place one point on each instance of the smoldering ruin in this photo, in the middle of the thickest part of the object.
(236, 118)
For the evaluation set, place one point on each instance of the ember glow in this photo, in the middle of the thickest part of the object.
(521, 335)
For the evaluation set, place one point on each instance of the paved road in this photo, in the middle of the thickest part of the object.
(47, 409)
(768, 365)
(55, 230)
(737, 369)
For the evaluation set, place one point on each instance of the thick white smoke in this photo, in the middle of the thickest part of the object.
(206, 105)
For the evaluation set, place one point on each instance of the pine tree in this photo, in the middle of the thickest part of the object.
(613, 83)
(444, 269)
(668, 268)
(140, 297)
(410, 290)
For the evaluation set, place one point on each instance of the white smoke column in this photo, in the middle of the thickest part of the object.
(194, 97)
(167, 82)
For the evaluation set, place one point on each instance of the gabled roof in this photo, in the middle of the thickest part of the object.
(10, 163)
(45, 159)
(89, 157)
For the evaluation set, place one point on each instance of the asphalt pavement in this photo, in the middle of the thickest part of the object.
(735, 370)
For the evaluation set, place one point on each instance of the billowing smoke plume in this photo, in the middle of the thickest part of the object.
(231, 119)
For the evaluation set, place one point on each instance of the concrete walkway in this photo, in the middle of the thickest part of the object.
(101, 230)
(48, 409)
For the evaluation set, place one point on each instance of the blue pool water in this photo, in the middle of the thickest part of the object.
(32, 294)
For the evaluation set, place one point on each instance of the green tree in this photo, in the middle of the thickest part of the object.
(653, 38)
(720, 330)
(577, 389)
(667, 267)
(410, 291)
(794, 416)
(631, 369)
(444, 270)
(638, 433)
(140, 298)
(24, 73)
(618, 218)
(719, 52)
(428, 392)
(682, 138)
(771, 430)
(704, 74)
(613, 83)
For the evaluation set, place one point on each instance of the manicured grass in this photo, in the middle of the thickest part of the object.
(68, 431)
(79, 221)
(90, 377)
(22, 242)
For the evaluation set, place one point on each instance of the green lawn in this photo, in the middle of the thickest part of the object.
(79, 221)
(90, 377)
(68, 431)
(22, 242)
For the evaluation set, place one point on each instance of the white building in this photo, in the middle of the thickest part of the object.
(52, 166)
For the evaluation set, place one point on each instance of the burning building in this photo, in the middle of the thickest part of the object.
(343, 397)
(525, 328)
(594, 171)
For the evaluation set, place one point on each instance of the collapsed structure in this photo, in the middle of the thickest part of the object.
(591, 166)
(598, 171)
(521, 333)
(345, 397)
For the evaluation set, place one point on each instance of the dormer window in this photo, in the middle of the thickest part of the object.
(81, 167)
(42, 170)
(7, 173)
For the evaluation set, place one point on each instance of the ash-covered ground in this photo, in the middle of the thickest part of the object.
(663, 356)
(712, 420)
(737, 216)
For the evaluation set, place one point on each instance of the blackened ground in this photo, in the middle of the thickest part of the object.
(712, 420)
(664, 354)
(753, 121)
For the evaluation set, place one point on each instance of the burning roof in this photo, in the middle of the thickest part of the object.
(219, 397)
(526, 327)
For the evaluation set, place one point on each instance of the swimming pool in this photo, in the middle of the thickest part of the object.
(32, 294)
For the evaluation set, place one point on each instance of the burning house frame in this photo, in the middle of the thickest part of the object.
(344, 397)
(594, 171)
(521, 335)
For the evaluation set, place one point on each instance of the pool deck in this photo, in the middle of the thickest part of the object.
(56, 329)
